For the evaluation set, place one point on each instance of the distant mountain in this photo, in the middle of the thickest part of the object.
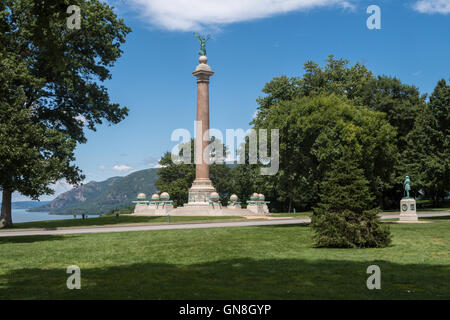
(27, 204)
(101, 197)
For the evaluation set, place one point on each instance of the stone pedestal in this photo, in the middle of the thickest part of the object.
(163, 209)
(234, 206)
(256, 208)
(199, 192)
(143, 208)
(408, 210)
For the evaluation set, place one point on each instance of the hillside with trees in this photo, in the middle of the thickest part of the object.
(102, 197)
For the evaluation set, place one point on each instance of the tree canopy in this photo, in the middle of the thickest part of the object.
(427, 156)
(400, 102)
(313, 133)
(404, 107)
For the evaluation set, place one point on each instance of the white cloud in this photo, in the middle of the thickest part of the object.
(61, 186)
(433, 6)
(195, 15)
(122, 167)
(155, 165)
(152, 162)
(81, 119)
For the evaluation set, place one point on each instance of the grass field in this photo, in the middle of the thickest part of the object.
(271, 262)
(111, 220)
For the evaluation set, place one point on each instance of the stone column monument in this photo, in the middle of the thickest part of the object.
(202, 187)
(203, 198)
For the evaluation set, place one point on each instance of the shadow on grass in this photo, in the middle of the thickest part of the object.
(421, 219)
(111, 220)
(435, 218)
(243, 278)
(105, 220)
(31, 239)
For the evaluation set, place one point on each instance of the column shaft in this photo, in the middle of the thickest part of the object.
(201, 187)
(202, 136)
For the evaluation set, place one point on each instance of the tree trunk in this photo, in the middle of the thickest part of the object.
(435, 202)
(290, 204)
(380, 201)
(6, 207)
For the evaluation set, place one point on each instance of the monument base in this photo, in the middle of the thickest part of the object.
(200, 204)
(190, 210)
(408, 210)
(144, 208)
(234, 206)
(210, 209)
(153, 210)
(199, 193)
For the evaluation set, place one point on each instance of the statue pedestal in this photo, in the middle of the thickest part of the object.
(256, 208)
(144, 208)
(163, 209)
(408, 210)
(199, 193)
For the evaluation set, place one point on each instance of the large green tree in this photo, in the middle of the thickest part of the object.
(401, 103)
(175, 178)
(427, 156)
(440, 106)
(345, 216)
(32, 156)
(60, 75)
(313, 132)
(246, 181)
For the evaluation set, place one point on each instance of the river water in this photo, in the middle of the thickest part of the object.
(22, 215)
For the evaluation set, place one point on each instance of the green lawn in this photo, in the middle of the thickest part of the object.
(272, 262)
(111, 220)
(130, 219)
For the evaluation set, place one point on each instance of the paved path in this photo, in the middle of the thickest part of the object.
(155, 227)
(286, 221)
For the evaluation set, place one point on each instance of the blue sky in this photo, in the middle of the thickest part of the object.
(253, 41)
